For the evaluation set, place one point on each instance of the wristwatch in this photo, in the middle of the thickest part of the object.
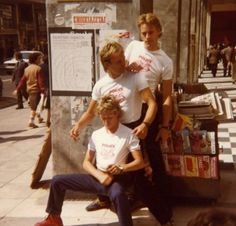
(121, 168)
(147, 124)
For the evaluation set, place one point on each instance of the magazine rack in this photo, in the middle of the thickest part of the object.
(197, 186)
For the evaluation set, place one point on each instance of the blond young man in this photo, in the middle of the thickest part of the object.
(147, 57)
(110, 146)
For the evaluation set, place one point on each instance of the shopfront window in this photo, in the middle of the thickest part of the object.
(7, 15)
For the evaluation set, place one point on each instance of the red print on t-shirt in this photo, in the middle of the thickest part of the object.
(108, 151)
(145, 62)
(118, 93)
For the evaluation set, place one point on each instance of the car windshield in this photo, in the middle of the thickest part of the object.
(25, 55)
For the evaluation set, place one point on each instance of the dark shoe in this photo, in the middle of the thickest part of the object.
(40, 120)
(19, 107)
(51, 220)
(135, 204)
(97, 205)
(32, 125)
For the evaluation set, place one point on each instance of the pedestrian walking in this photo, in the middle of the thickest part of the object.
(213, 59)
(34, 81)
(16, 77)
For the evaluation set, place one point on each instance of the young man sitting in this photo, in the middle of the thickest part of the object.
(110, 145)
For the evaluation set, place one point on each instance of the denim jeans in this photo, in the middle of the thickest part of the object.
(87, 183)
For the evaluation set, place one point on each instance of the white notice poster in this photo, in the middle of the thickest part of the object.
(71, 61)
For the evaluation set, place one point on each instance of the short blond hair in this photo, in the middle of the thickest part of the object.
(149, 18)
(108, 103)
(107, 51)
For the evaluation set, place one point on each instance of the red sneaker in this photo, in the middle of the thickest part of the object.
(51, 220)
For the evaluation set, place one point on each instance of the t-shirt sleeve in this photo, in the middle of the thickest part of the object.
(95, 93)
(141, 82)
(134, 143)
(128, 51)
(91, 144)
(168, 70)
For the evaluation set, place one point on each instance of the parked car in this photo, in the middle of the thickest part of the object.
(9, 64)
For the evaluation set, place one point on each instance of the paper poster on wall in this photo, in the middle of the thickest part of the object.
(88, 16)
(90, 21)
(72, 58)
(79, 105)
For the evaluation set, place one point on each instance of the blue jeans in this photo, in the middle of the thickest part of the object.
(87, 183)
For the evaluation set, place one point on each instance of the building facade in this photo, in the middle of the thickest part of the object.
(22, 26)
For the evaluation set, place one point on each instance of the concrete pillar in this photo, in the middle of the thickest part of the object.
(168, 13)
(184, 37)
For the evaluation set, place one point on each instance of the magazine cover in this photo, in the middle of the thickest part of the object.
(178, 142)
(186, 141)
(200, 141)
(204, 169)
(211, 140)
(191, 168)
(214, 167)
(176, 165)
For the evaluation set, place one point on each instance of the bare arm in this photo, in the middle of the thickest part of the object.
(142, 129)
(84, 120)
(167, 102)
(102, 177)
(167, 109)
(136, 164)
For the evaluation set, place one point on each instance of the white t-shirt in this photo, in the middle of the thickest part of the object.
(126, 89)
(112, 148)
(157, 66)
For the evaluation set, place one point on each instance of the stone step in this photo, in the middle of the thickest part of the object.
(215, 80)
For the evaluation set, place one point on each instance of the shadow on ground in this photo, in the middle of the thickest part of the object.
(7, 102)
(10, 221)
(2, 140)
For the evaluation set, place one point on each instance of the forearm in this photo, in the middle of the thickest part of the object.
(134, 165)
(84, 119)
(92, 170)
(151, 112)
(167, 111)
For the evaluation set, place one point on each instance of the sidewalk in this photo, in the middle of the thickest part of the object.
(23, 206)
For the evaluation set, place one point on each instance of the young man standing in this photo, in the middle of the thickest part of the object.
(147, 57)
(110, 145)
